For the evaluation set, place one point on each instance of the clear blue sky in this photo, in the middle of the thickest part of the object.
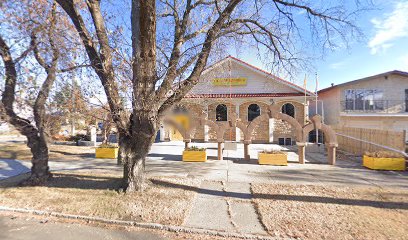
(384, 48)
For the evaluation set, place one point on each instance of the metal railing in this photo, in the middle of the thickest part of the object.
(374, 106)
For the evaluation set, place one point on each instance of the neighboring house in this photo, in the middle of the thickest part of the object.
(232, 85)
(376, 102)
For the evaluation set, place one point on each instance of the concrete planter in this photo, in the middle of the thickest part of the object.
(106, 152)
(194, 156)
(377, 163)
(280, 159)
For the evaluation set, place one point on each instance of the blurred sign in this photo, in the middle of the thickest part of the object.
(229, 81)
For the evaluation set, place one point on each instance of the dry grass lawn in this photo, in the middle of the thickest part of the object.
(20, 151)
(319, 212)
(98, 195)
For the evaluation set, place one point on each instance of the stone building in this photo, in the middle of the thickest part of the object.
(234, 86)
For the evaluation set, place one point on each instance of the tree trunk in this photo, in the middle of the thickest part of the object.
(135, 148)
(40, 171)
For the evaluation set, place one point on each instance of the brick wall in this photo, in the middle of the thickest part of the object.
(283, 129)
(230, 133)
(261, 133)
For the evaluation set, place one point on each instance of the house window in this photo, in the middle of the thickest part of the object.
(221, 113)
(285, 141)
(288, 109)
(253, 111)
(364, 99)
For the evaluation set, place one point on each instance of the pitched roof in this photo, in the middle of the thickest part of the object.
(243, 95)
(261, 71)
(394, 72)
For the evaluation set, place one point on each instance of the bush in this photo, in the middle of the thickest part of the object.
(384, 154)
(79, 137)
(59, 137)
(194, 148)
(107, 145)
(272, 152)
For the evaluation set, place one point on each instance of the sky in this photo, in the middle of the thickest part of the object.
(384, 48)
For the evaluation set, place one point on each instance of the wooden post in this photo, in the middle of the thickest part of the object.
(301, 151)
(220, 151)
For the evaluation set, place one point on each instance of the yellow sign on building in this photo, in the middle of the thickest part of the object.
(229, 81)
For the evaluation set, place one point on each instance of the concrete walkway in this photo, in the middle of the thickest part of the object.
(216, 208)
(12, 167)
(165, 160)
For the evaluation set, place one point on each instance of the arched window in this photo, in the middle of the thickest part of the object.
(288, 109)
(221, 112)
(253, 111)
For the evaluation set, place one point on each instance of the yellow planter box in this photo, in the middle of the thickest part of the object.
(397, 164)
(273, 159)
(194, 156)
(106, 152)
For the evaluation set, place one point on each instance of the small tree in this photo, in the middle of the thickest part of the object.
(179, 48)
(41, 23)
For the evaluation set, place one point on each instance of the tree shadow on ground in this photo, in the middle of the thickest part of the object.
(78, 181)
(81, 155)
(295, 198)
(167, 157)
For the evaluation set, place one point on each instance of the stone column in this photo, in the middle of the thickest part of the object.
(271, 129)
(246, 150)
(301, 151)
(93, 135)
(162, 132)
(206, 128)
(237, 130)
(220, 151)
(331, 153)
(186, 142)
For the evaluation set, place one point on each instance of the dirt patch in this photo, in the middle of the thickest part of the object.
(20, 151)
(318, 212)
(98, 195)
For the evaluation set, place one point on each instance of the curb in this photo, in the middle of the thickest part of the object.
(156, 226)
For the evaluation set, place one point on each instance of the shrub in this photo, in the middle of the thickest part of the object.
(107, 145)
(384, 154)
(80, 137)
(273, 152)
(194, 148)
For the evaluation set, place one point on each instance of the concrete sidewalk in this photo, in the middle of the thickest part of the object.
(216, 208)
(165, 160)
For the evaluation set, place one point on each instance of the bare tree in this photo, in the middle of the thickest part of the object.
(179, 48)
(43, 31)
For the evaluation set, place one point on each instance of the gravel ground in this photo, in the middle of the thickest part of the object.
(320, 212)
(97, 195)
